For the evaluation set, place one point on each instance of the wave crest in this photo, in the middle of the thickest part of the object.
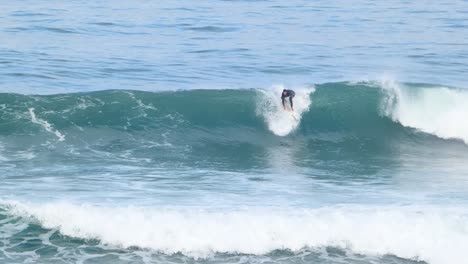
(439, 111)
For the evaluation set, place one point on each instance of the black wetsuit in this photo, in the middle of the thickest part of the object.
(290, 94)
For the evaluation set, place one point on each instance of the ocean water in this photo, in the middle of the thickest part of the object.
(153, 132)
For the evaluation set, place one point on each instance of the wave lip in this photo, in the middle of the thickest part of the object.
(437, 236)
(439, 111)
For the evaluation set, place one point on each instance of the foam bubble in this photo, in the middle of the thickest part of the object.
(435, 235)
(279, 121)
(438, 111)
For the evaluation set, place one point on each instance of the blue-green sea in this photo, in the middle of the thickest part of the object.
(153, 132)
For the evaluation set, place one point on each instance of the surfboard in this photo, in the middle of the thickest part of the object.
(293, 116)
(288, 108)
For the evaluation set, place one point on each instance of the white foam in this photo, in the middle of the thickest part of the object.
(84, 104)
(439, 111)
(435, 235)
(140, 103)
(48, 127)
(279, 121)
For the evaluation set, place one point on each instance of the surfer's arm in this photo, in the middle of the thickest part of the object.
(282, 101)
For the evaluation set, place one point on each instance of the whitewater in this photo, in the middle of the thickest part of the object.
(153, 132)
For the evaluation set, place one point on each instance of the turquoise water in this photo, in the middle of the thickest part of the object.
(153, 132)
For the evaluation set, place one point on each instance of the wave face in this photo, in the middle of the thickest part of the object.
(371, 114)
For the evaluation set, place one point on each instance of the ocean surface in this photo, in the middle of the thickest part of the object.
(153, 132)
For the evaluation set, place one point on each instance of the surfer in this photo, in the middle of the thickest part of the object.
(290, 94)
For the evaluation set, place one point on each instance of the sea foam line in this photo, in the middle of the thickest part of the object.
(437, 235)
(48, 127)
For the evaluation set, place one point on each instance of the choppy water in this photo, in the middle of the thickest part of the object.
(153, 132)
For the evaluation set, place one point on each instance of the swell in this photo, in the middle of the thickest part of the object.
(363, 109)
(370, 118)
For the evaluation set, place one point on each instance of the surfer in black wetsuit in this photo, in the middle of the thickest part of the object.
(290, 94)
